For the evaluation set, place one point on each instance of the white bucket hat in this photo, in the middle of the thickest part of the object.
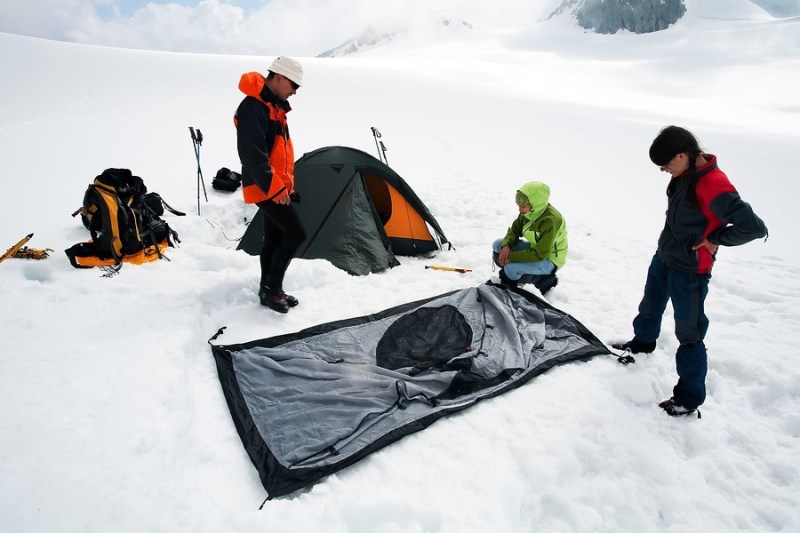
(286, 66)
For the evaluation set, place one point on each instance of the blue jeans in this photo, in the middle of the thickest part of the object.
(688, 294)
(517, 270)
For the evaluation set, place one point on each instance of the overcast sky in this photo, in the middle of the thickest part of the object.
(292, 27)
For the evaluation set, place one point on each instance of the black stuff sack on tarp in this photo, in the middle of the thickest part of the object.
(310, 403)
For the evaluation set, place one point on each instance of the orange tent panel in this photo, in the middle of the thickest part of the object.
(400, 220)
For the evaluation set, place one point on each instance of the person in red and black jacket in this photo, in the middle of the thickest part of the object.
(267, 157)
(704, 212)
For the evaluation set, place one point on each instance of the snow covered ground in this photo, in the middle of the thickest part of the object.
(111, 413)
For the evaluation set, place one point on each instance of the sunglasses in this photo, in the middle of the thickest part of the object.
(665, 165)
(293, 84)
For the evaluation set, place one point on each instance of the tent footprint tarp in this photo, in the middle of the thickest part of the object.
(310, 403)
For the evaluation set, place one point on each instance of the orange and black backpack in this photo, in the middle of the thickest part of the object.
(124, 221)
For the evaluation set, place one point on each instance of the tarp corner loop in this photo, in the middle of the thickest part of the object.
(219, 332)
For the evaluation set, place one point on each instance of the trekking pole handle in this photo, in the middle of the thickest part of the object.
(378, 144)
(197, 135)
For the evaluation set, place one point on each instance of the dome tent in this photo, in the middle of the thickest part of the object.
(357, 212)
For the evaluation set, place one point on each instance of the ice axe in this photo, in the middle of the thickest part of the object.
(11, 251)
(449, 269)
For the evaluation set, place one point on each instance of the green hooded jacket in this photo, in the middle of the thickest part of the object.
(542, 226)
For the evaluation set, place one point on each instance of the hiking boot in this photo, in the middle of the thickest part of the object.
(545, 283)
(275, 300)
(505, 280)
(635, 346)
(291, 301)
(673, 409)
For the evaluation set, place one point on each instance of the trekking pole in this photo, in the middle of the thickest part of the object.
(379, 145)
(197, 140)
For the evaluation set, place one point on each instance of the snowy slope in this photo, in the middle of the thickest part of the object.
(110, 408)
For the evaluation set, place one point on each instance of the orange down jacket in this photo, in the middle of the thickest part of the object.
(262, 139)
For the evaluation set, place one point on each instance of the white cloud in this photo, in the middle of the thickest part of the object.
(26, 18)
(210, 26)
(295, 27)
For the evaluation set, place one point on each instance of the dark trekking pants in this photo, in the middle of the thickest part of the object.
(688, 293)
(283, 235)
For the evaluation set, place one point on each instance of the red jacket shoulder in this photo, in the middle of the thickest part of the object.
(712, 184)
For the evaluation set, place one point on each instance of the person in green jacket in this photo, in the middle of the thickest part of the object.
(535, 246)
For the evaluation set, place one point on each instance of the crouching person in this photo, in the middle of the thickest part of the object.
(535, 246)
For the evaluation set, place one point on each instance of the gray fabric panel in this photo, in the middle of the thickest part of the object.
(305, 405)
(349, 237)
(319, 186)
(326, 391)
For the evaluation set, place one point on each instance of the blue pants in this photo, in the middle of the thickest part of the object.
(516, 270)
(688, 294)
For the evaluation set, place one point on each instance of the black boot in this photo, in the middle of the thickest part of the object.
(635, 346)
(275, 300)
(505, 280)
(673, 409)
(545, 283)
(291, 300)
(271, 294)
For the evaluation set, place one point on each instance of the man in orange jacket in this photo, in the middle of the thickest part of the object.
(267, 157)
